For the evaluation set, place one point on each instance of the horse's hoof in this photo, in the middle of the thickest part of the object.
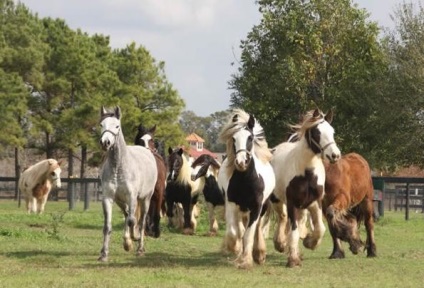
(188, 231)
(140, 253)
(211, 233)
(293, 262)
(337, 255)
(259, 256)
(279, 247)
(355, 245)
(310, 242)
(244, 265)
(102, 258)
(127, 245)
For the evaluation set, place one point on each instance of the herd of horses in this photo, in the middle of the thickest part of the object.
(298, 183)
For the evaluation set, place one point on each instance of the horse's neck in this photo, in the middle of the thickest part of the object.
(306, 156)
(118, 154)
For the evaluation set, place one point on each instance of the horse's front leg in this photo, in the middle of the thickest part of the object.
(313, 240)
(338, 252)
(245, 261)
(259, 248)
(188, 209)
(42, 203)
(232, 238)
(281, 231)
(294, 216)
(107, 228)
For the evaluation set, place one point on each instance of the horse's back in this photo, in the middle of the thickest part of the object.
(144, 165)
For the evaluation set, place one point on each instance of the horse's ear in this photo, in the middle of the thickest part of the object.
(50, 161)
(102, 111)
(118, 112)
(153, 129)
(251, 122)
(180, 151)
(59, 162)
(329, 116)
(317, 113)
(170, 150)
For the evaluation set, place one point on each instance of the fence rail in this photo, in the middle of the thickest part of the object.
(73, 190)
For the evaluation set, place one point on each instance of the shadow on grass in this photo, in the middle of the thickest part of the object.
(34, 253)
(161, 259)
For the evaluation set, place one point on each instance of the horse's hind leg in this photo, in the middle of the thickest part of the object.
(107, 228)
(144, 204)
(369, 227)
(213, 224)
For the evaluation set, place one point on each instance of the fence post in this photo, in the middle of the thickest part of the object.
(71, 190)
(407, 202)
(379, 185)
(86, 197)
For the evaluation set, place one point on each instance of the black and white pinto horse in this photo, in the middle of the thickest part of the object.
(247, 180)
(128, 178)
(300, 178)
(181, 190)
(206, 167)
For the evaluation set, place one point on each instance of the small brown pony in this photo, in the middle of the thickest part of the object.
(36, 182)
(347, 202)
(157, 203)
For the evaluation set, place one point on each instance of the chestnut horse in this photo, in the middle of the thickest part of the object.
(347, 202)
(36, 182)
(144, 138)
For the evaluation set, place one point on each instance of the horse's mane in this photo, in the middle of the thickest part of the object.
(261, 146)
(308, 121)
(185, 173)
(41, 169)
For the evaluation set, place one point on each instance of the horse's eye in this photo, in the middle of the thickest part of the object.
(117, 127)
(52, 174)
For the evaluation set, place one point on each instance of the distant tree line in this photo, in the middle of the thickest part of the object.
(328, 54)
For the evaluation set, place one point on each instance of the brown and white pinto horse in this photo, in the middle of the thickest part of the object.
(36, 183)
(347, 202)
(247, 180)
(300, 178)
(206, 167)
(144, 138)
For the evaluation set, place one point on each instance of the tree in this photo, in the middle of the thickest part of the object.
(305, 54)
(403, 102)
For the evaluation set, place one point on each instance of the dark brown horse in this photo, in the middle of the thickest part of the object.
(347, 202)
(157, 203)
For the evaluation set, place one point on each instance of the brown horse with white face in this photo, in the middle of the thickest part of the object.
(36, 183)
(347, 202)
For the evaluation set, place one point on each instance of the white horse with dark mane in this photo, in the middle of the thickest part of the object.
(247, 180)
(128, 178)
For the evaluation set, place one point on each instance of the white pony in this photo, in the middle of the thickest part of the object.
(36, 183)
(247, 180)
(300, 178)
(128, 177)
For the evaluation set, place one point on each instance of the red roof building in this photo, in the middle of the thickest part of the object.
(196, 147)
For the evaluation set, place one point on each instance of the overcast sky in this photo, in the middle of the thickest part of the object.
(197, 39)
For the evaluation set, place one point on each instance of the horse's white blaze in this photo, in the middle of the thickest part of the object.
(56, 178)
(242, 154)
(146, 138)
(330, 150)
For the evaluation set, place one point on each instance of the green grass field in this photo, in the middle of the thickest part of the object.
(61, 247)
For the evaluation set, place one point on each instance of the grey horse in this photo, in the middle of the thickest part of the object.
(128, 177)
